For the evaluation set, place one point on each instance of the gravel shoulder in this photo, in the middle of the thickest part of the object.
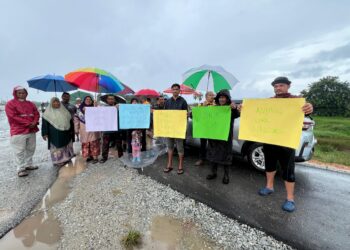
(108, 200)
(18, 196)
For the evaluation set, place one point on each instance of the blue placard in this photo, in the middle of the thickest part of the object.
(134, 116)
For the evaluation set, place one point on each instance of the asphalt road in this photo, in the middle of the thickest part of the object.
(322, 218)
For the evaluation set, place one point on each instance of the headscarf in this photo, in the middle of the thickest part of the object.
(15, 89)
(81, 112)
(135, 99)
(225, 93)
(57, 117)
(83, 105)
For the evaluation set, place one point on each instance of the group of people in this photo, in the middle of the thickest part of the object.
(63, 123)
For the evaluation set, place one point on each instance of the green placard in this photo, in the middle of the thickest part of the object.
(212, 122)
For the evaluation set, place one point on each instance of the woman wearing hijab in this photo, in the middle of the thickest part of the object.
(220, 152)
(90, 141)
(58, 130)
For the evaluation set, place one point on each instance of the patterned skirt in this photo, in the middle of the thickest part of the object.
(92, 148)
(61, 155)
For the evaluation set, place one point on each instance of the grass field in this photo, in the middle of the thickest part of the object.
(333, 136)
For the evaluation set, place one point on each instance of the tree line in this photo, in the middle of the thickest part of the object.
(330, 96)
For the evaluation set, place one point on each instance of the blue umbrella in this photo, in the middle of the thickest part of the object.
(51, 83)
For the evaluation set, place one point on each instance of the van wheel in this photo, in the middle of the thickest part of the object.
(256, 156)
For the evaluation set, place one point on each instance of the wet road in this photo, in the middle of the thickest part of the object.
(322, 218)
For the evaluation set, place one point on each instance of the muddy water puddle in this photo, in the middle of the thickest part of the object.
(168, 233)
(41, 230)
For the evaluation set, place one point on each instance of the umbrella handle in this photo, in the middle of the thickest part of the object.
(208, 80)
(54, 82)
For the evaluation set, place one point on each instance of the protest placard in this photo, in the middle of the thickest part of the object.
(101, 119)
(212, 122)
(276, 121)
(170, 123)
(134, 116)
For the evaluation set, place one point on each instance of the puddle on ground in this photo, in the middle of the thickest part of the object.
(168, 233)
(41, 230)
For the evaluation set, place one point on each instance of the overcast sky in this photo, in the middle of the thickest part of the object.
(152, 43)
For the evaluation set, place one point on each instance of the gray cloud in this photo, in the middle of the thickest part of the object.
(151, 43)
(339, 53)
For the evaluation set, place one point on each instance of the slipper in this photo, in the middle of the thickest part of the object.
(32, 167)
(265, 191)
(22, 173)
(103, 160)
(180, 171)
(167, 170)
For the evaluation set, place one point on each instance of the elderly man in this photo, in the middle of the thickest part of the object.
(77, 102)
(23, 117)
(209, 101)
(283, 155)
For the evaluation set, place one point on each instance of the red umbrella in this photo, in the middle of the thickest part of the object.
(147, 92)
(184, 90)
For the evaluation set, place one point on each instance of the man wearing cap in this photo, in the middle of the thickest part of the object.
(23, 117)
(285, 156)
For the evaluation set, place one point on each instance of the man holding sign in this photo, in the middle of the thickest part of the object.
(275, 153)
(109, 137)
(176, 102)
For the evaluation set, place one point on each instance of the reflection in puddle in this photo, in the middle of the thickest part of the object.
(41, 230)
(172, 234)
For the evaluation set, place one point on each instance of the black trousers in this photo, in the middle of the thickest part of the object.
(214, 168)
(109, 138)
(203, 149)
(285, 157)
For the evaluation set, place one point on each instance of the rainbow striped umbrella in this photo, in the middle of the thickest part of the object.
(95, 80)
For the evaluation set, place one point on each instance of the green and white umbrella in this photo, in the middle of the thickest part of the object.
(206, 76)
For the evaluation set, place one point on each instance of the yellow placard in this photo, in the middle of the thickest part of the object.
(170, 123)
(276, 121)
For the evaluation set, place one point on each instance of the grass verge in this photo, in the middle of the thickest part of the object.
(333, 136)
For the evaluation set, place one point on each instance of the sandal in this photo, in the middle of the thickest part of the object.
(32, 167)
(167, 170)
(94, 161)
(22, 173)
(180, 171)
(103, 160)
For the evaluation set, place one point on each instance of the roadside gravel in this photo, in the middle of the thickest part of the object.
(108, 200)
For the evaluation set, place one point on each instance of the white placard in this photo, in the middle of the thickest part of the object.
(101, 119)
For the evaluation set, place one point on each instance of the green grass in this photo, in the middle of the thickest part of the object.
(333, 136)
(133, 238)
